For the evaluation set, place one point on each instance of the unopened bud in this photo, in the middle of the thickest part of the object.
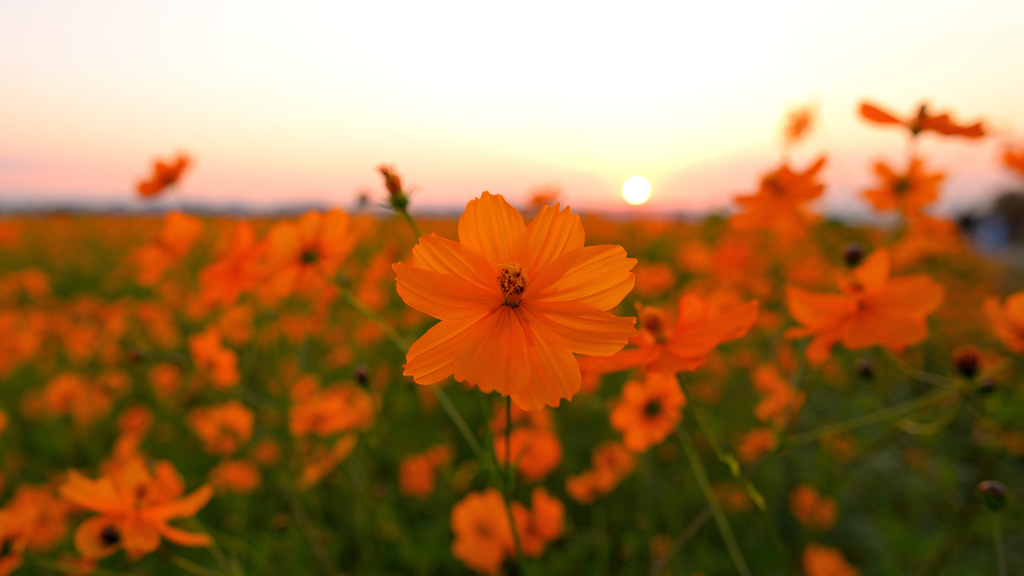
(994, 494)
(393, 182)
(864, 368)
(853, 254)
(967, 362)
(361, 373)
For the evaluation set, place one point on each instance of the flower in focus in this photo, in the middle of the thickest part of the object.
(779, 204)
(304, 256)
(698, 330)
(223, 428)
(648, 411)
(873, 309)
(134, 505)
(821, 560)
(483, 537)
(922, 122)
(164, 175)
(908, 193)
(811, 509)
(516, 302)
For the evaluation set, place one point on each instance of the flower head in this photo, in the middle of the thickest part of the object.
(873, 309)
(165, 174)
(648, 411)
(516, 302)
(908, 192)
(922, 122)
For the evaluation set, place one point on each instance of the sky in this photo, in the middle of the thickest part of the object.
(287, 102)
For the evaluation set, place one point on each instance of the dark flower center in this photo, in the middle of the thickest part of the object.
(652, 408)
(110, 536)
(513, 283)
(309, 256)
(901, 185)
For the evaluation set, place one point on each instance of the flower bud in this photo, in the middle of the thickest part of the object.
(994, 494)
(967, 362)
(864, 368)
(361, 373)
(853, 254)
(393, 182)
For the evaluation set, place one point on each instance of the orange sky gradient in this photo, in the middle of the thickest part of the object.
(291, 102)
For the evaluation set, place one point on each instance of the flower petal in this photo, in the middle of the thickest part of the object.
(183, 538)
(492, 227)
(447, 257)
(551, 234)
(554, 374)
(580, 328)
(443, 296)
(432, 358)
(596, 275)
(494, 355)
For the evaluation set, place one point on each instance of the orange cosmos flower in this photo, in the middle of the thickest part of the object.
(780, 401)
(164, 175)
(756, 443)
(223, 428)
(821, 560)
(654, 279)
(812, 509)
(922, 122)
(320, 460)
(303, 256)
(1015, 160)
(418, 472)
(12, 541)
(779, 204)
(873, 309)
(516, 302)
(541, 525)
(236, 272)
(648, 411)
(239, 476)
(134, 505)
(611, 463)
(330, 411)
(698, 330)
(483, 537)
(799, 122)
(176, 238)
(1007, 320)
(213, 359)
(908, 193)
(535, 451)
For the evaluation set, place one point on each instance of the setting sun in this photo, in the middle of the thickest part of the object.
(636, 190)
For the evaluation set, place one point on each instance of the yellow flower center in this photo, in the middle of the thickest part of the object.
(512, 283)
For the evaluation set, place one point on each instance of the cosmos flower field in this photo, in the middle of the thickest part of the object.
(519, 390)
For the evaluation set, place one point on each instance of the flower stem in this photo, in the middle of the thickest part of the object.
(507, 481)
(680, 541)
(702, 480)
(997, 532)
(733, 465)
(872, 418)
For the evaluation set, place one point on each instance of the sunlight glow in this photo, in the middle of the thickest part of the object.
(636, 190)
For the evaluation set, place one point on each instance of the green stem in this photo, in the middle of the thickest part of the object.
(705, 485)
(215, 549)
(306, 526)
(412, 222)
(190, 566)
(872, 418)
(997, 532)
(403, 346)
(507, 493)
(680, 541)
(733, 465)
